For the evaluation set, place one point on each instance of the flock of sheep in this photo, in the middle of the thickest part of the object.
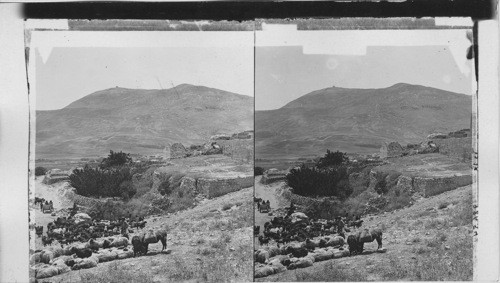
(81, 228)
(83, 242)
(296, 241)
(56, 260)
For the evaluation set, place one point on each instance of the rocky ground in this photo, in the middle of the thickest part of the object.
(430, 241)
(209, 242)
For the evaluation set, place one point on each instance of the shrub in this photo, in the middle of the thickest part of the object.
(332, 159)
(127, 190)
(319, 182)
(115, 159)
(39, 171)
(171, 182)
(96, 182)
(113, 210)
(258, 171)
(443, 205)
(227, 206)
(325, 209)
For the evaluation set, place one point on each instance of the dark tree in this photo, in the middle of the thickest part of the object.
(39, 171)
(115, 159)
(319, 182)
(95, 182)
(332, 159)
(258, 171)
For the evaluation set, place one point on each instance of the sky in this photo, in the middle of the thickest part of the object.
(71, 65)
(292, 64)
(288, 63)
(283, 74)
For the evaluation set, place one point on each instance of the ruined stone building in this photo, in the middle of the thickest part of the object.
(392, 149)
(177, 150)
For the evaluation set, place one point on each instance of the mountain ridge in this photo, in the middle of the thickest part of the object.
(358, 120)
(140, 121)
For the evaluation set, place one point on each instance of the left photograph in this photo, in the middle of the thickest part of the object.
(141, 155)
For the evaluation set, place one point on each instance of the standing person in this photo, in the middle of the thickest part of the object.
(124, 228)
(291, 210)
(74, 210)
(340, 227)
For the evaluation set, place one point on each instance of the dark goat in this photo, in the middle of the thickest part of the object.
(81, 253)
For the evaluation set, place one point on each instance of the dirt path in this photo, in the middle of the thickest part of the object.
(48, 192)
(269, 192)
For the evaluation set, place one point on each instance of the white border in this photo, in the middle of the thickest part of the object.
(14, 151)
(487, 256)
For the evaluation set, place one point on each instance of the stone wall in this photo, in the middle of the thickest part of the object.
(273, 175)
(241, 149)
(426, 186)
(56, 175)
(302, 200)
(460, 148)
(71, 195)
(209, 187)
(268, 179)
(433, 186)
(217, 187)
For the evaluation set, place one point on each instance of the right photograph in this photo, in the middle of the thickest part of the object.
(364, 152)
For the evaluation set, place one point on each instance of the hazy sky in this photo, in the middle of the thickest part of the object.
(71, 73)
(283, 74)
(70, 65)
(290, 63)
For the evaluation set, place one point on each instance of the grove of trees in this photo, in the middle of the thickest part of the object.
(113, 178)
(328, 178)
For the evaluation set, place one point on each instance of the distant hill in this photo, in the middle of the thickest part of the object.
(140, 121)
(358, 120)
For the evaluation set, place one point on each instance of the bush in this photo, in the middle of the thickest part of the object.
(332, 159)
(258, 171)
(325, 209)
(171, 182)
(227, 206)
(127, 190)
(113, 210)
(115, 159)
(39, 171)
(95, 182)
(443, 205)
(319, 182)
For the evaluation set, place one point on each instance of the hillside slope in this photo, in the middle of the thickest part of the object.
(358, 120)
(431, 240)
(211, 242)
(140, 121)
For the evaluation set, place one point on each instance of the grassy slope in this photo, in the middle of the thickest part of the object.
(431, 240)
